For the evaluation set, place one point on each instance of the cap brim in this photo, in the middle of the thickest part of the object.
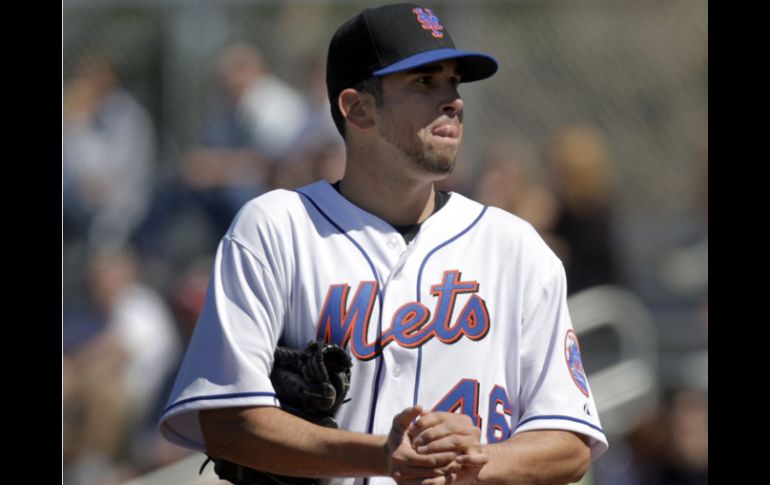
(474, 66)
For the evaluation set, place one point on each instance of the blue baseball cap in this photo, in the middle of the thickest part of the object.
(394, 38)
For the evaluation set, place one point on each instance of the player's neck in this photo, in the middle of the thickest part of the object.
(397, 201)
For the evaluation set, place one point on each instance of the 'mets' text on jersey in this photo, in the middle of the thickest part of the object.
(469, 317)
(411, 325)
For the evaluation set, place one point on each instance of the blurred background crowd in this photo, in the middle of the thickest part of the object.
(595, 129)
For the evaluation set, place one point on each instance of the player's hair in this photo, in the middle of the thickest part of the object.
(371, 85)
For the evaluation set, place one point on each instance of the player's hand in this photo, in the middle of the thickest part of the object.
(441, 432)
(405, 464)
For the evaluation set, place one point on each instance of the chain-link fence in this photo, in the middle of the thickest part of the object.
(635, 70)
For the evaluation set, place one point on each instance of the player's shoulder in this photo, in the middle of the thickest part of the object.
(511, 222)
(272, 205)
(267, 215)
(511, 234)
(506, 226)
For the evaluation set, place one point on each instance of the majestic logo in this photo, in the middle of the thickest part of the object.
(411, 325)
(575, 362)
(429, 21)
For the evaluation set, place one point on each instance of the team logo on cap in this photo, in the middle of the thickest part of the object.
(575, 362)
(429, 21)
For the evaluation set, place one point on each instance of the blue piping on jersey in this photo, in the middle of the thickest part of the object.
(378, 343)
(568, 418)
(358, 246)
(419, 281)
(220, 396)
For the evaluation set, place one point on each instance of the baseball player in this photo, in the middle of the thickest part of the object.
(465, 364)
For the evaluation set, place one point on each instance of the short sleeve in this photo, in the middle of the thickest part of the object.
(554, 391)
(230, 354)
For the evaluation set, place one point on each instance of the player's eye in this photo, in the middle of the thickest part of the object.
(424, 80)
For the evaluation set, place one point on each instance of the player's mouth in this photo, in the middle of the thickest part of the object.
(447, 131)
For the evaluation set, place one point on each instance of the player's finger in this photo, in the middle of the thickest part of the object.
(441, 423)
(472, 459)
(464, 431)
(453, 442)
(403, 419)
(432, 418)
(430, 460)
(427, 420)
(414, 474)
(443, 430)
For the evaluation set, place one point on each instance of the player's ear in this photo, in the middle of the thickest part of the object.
(357, 107)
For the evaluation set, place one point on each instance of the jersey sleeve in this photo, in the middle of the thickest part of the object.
(230, 354)
(554, 391)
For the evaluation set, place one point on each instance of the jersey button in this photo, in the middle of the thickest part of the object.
(392, 242)
(396, 371)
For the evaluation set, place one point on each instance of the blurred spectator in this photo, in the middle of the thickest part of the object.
(321, 159)
(272, 113)
(187, 292)
(319, 153)
(510, 180)
(253, 122)
(683, 268)
(112, 381)
(667, 447)
(583, 230)
(108, 155)
(687, 439)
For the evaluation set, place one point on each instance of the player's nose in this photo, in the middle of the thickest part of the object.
(453, 104)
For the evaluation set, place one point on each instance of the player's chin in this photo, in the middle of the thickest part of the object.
(441, 159)
(438, 165)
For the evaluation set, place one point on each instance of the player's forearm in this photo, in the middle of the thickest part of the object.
(537, 457)
(272, 440)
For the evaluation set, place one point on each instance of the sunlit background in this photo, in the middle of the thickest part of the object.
(595, 130)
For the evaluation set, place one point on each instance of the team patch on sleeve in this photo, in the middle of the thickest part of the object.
(575, 362)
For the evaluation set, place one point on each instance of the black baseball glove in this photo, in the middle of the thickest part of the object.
(311, 384)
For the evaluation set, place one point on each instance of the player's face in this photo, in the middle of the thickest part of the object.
(421, 115)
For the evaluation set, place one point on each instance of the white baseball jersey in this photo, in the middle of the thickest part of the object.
(470, 316)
